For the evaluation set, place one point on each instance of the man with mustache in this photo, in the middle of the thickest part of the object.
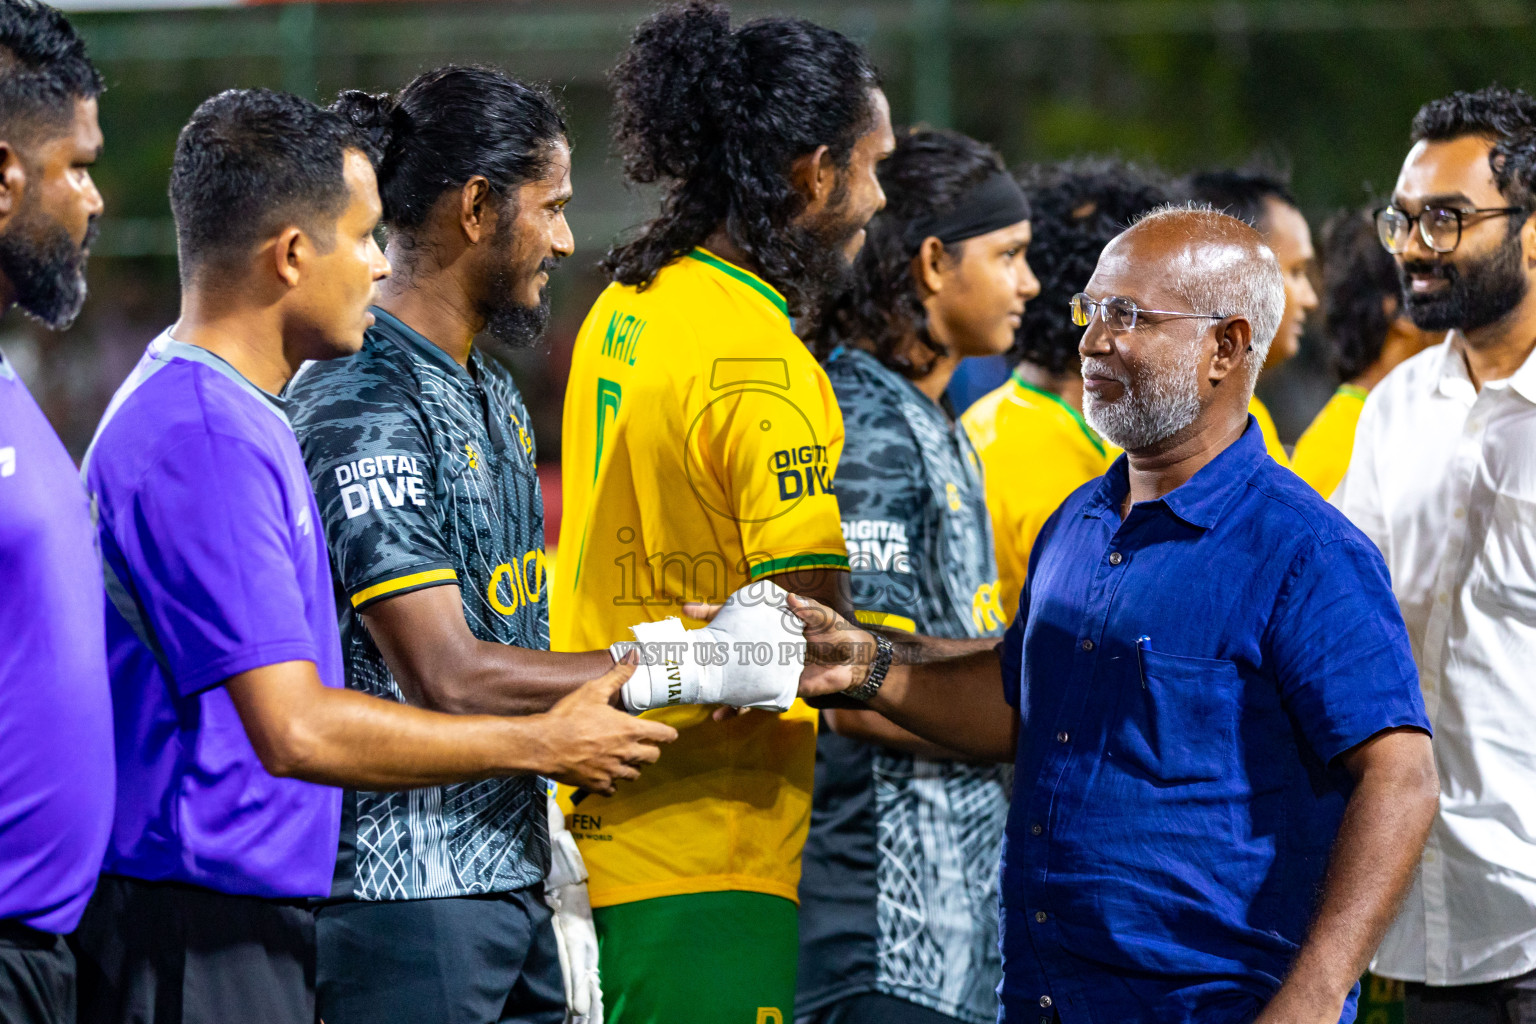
(1222, 773)
(700, 445)
(1034, 445)
(898, 900)
(1443, 479)
(55, 707)
(423, 461)
(234, 727)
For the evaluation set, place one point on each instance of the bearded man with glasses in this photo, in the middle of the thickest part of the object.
(1221, 767)
(1443, 479)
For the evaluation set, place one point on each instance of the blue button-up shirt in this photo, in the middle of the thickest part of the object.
(1186, 680)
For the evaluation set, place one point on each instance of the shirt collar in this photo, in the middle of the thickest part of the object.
(165, 348)
(1201, 500)
(1524, 379)
(6, 370)
(401, 333)
(742, 277)
(1050, 396)
(1453, 381)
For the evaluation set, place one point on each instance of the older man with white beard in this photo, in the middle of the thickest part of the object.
(1223, 768)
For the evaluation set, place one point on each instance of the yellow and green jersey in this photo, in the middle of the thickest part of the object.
(1272, 443)
(1035, 450)
(700, 444)
(1322, 453)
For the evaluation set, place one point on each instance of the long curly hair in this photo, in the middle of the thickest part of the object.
(717, 115)
(1078, 206)
(1357, 275)
(880, 308)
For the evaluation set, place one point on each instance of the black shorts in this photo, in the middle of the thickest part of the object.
(37, 976)
(165, 953)
(457, 960)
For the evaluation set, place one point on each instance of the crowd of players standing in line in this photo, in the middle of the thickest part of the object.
(1216, 693)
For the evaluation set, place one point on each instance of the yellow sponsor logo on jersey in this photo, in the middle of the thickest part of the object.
(953, 494)
(987, 607)
(523, 437)
(518, 583)
(474, 456)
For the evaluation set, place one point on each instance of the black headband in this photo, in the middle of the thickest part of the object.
(995, 202)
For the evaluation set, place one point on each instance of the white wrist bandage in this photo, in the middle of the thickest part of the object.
(749, 656)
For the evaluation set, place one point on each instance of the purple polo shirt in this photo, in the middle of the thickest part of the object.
(215, 565)
(55, 709)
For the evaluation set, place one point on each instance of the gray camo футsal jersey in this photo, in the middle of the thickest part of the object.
(899, 888)
(425, 475)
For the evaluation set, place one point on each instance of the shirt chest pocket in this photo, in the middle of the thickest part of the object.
(1178, 718)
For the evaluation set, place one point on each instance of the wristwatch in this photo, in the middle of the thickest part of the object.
(877, 670)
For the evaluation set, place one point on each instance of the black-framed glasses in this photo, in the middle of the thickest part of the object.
(1439, 226)
(1120, 314)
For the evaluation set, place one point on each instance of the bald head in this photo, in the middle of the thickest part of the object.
(1209, 263)
(1211, 297)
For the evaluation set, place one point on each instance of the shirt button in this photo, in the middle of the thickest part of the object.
(1040, 916)
(1062, 737)
(1036, 829)
(1443, 597)
(1115, 558)
(1045, 1002)
(1087, 645)
(1460, 513)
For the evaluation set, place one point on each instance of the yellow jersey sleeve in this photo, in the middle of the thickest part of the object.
(1322, 453)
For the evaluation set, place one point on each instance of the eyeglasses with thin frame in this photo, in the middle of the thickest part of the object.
(1439, 226)
(1120, 314)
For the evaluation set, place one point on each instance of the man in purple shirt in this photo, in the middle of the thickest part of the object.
(233, 723)
(55, 710)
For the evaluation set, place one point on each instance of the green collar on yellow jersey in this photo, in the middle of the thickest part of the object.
(1082, 424)
(747, 278)
(1352, 390)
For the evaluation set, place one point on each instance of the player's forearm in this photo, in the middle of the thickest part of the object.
(955, 702)
(345, 738)
(1383, 831)
(498, 679)
(873, 727)
(441, 666)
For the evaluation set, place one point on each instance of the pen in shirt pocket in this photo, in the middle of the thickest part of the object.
(1143, 643)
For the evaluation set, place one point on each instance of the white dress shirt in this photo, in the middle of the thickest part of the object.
(1443, 479)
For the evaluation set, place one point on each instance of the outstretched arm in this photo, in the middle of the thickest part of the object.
(947, 692)
(442, 666)
(1385, 825)
(302, 729)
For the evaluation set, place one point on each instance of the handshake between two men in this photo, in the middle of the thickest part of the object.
(749, 656)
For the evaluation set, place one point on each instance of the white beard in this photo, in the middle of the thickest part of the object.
(1165, 402)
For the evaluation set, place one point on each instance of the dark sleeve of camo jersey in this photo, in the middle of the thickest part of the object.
(880, 496)
(369, 455)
